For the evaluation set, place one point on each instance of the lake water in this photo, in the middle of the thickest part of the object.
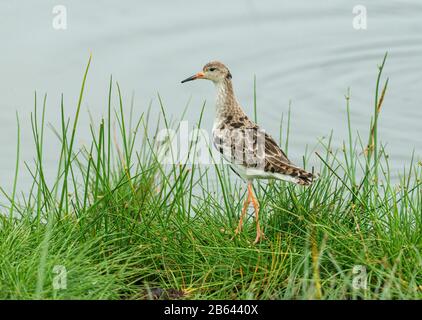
(307, 54)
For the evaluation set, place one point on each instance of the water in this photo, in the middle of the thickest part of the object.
(307, 54)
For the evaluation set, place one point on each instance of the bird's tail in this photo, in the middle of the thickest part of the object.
(305, 178)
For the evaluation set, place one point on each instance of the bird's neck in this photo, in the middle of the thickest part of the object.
(226, 102)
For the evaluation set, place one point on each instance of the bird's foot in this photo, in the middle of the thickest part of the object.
(237, 231)
(259, 235)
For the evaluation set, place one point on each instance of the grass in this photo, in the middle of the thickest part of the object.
(117, 224)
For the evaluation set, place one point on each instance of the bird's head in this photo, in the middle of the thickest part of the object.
(214, 71)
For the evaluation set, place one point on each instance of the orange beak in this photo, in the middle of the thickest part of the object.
(199, 75)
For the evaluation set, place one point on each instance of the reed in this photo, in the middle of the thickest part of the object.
(124, 226)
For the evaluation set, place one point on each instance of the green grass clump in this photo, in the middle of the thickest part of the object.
(121, 225)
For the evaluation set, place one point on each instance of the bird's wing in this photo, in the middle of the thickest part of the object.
(273, 151)
(251, 147)
(248, 146)
(276, 161)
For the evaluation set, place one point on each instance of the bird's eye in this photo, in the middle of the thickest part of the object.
(211, 69)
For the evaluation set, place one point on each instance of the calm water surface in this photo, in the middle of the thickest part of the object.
(307, 54)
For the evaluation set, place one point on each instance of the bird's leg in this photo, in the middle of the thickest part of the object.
(259, 233)
(242, 215)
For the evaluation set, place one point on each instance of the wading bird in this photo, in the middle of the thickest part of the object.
(251, 153)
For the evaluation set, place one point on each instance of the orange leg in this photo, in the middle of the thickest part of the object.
(259, 233)
(243, 214)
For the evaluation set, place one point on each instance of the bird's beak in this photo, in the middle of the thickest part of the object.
(199, 75)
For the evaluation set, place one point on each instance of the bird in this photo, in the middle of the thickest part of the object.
(250, 151)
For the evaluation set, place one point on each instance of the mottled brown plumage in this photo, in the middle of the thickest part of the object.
(234, 131)
(251, 152)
